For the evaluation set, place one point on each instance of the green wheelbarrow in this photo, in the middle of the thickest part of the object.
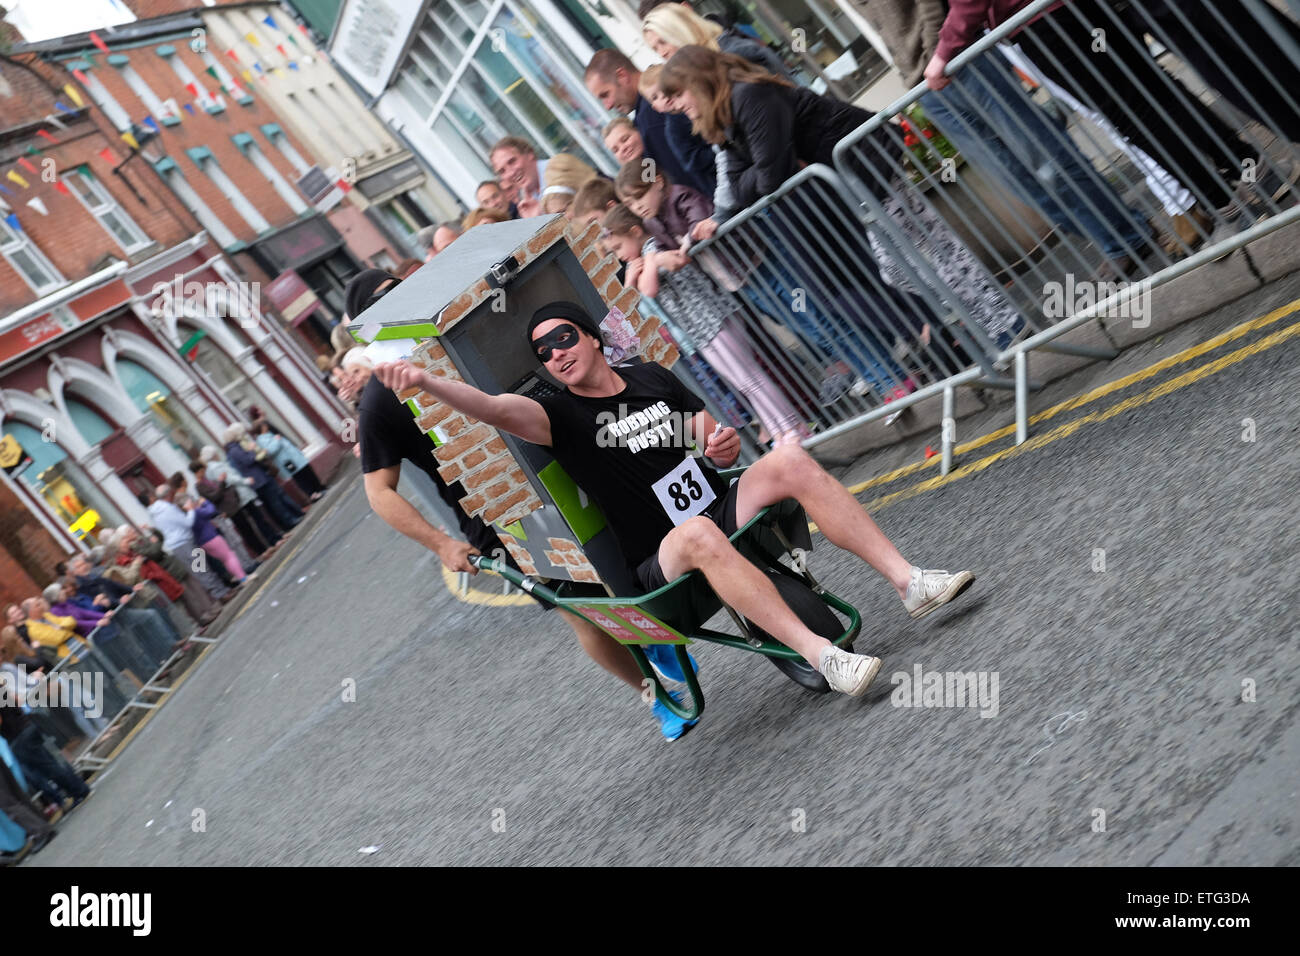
(676, 613)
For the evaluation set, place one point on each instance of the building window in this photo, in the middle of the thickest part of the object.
(202, 158)
(150, 394)
(23, 255)
(116, 114)
(156, 107)
(206, 99)
(206, 217)
(75, 500)
(103, 207)
(235, 384)
(267, 169)
(281, 142)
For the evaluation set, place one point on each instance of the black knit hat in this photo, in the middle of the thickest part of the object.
(565, 310)
(360, 293)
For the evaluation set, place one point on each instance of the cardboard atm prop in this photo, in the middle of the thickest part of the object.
(464, 315)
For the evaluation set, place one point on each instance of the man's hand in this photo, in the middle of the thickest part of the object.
(704, 229)
(528, 206)
(125, 598)
(102, 621)
(934, 77)
(455, 556)
(401, 375)
(100, 600)
(723, 448)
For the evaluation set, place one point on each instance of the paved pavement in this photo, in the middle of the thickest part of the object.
(1120, 690)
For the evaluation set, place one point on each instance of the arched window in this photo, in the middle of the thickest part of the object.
(76, 502)
(233, 383)
(150, 394)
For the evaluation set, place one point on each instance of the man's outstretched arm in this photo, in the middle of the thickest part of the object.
(400, 515)
(516, 414)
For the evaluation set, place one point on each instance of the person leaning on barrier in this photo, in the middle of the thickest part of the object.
(176, 525)
(641, 479)
(131, 544)
(1152, 107)
(234, 495)
(154, 632)
(389, 436)
(248, 461)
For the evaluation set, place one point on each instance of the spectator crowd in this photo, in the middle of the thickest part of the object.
(117, 619)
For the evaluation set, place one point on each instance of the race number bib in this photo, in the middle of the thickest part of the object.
(684, 492)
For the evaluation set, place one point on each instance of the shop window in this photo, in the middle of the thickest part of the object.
(74, 500)
(151, 395)
(235, 384)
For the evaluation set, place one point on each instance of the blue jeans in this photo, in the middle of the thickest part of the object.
(985, 110)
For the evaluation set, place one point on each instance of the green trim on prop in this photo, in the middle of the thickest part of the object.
(406, 332)
(586, 522)
(515, 529)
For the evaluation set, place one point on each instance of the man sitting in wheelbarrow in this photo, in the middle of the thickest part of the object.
(670, 512)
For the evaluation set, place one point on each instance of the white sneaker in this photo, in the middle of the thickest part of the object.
(848, 673)
(929, 590)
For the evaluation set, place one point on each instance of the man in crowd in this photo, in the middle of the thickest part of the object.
(177, 527)
(519, 171)
(667, 137)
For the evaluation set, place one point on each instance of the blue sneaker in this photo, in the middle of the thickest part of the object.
(664, 657)
(672, 725)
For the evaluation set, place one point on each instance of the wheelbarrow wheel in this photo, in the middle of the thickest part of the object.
(816, 616)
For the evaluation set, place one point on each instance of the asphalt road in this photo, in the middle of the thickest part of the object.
(1120, 690)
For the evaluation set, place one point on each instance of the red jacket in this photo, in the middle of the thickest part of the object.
(967, 19)
(153, 571)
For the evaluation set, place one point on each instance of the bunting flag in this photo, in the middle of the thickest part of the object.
(270, 22)
(72, 90)
(188, 107)
(231, 54)
(344, 185)
(6, 190)
(252, 39)
(46, 134)
(39, 205)
(280, 48)
(130, 140)
(62, 107)
(279, 73)
(32, 150)
(293, 39)
(94, 38)
(55, 122)
(212, 72)
(84, 169)
(248, 76)
(292, 65)
(12, 221)
(150, 122)
(62, 187)
(26, 164)
(194, 89)
(108, 156)
(257, 67)
(13, 177)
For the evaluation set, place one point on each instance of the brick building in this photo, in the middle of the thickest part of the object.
(129, 336)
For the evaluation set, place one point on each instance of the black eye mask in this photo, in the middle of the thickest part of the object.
(561, 337)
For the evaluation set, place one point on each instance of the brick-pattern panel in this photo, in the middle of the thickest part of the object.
(564, 553)
(496, 488)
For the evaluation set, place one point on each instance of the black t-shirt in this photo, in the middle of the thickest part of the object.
(389, 434)
(619, 448)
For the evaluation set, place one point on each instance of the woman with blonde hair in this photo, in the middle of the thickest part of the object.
(670, 26)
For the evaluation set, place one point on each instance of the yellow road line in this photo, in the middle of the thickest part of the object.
(1069, 428)
(1101, 391)
(475, 596)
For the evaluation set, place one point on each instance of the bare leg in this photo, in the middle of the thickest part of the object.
(790, 472)
(698, 544)
(605, 651)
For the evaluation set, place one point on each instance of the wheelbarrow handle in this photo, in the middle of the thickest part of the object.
(517, 578)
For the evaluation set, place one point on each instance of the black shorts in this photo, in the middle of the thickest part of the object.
(650, 577)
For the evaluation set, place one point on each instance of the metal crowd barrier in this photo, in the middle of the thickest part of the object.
(1003, 218)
